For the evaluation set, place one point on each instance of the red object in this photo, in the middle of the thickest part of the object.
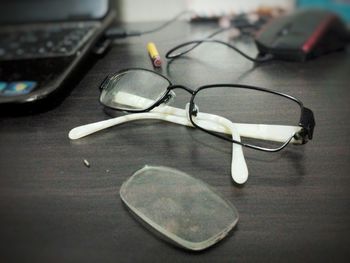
(313, 39)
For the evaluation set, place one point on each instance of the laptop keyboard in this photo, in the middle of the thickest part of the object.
(44, 41)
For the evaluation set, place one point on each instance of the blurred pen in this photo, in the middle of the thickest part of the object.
(154, 55)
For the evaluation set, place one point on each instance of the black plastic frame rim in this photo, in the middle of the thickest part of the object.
(306, 122)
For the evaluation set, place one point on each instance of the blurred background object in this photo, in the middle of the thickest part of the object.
(221, 8)
(134, 10)
(150, 10)
(157, 10)
(342, 7)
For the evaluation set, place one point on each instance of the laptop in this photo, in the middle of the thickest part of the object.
(43, 46)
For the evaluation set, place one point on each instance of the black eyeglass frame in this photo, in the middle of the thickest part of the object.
(306, 121)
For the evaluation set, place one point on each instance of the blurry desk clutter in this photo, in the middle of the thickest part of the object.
(274, 110)
(43, 53)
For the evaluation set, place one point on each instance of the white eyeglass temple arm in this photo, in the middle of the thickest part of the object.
(278, 133)
(239, 170)
(238, 163)
(268, 132)
(91, 128)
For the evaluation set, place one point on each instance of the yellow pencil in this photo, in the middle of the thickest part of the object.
(154, 55)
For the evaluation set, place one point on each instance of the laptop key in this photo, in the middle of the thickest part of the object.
(54, 41)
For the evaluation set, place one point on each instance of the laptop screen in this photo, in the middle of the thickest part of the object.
(19, 11)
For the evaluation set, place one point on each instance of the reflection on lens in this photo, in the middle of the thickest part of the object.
(243, 105)
(135, 89)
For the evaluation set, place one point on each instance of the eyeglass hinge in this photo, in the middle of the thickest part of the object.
(301, 136)
(307, 122)
(104, 83)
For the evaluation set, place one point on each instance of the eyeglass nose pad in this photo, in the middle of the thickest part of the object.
(169, 98)
(194, 111)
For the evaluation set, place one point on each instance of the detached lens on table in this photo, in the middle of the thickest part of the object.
(184, 210)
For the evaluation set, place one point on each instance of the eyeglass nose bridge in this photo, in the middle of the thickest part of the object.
(169, 97)
(191, 108)
(172, 87)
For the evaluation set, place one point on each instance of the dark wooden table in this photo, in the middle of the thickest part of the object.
(295, 206)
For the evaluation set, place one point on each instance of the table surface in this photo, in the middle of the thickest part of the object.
(295, 206)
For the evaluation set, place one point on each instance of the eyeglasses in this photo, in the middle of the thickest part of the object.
(141, 90)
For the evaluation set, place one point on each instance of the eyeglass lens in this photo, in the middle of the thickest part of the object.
(244, 105)
(126, 90)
